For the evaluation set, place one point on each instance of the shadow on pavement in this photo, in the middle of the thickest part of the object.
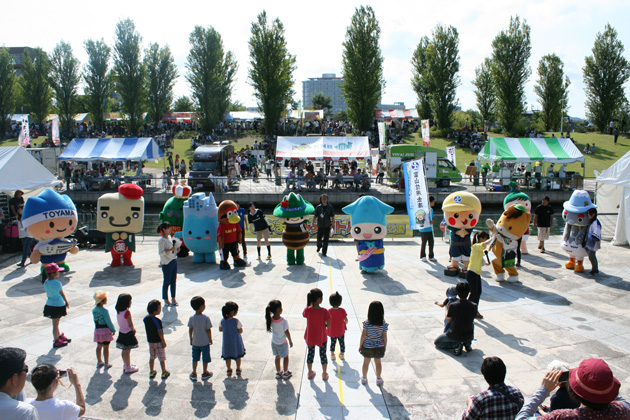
(287, 402)
(154, 397)
(381, 282)
(236, 393)
(509, 340)
(124, 386)
(122, 276)
(202, 398)
(99, 383)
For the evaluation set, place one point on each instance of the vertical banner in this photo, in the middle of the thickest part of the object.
(450, 153)
(24, 139)
(381, 136)
(426, 139)
(375, 158)
(55, 131)
(416, 193)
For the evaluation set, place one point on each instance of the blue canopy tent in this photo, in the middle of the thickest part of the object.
(114, 149)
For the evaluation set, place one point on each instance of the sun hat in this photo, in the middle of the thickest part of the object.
(99, 296)
(580, 202)
(52, 268)
(293, 205)
(594, 382)
(451, 292)
(461, 201)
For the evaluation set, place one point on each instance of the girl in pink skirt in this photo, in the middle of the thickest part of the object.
(103, 329)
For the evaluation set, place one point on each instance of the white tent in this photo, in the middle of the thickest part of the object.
(324, 147)
(21, 171)
(613, 197)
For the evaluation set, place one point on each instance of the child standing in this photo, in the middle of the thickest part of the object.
(155, 337)
(56, 303)
(233, 348)
(281, 337)
(480, 241)
(200, 333)
(593, 240)
(337, 330)
(126, 332)
(168, 248)
(103, 329)
(317, 320)
(374, 340)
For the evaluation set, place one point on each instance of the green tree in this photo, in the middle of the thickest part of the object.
(7, 90)
(271, 69)
(161, 75)
(211, 73)
(65, 75)
(183, 104)
(36, 91)
(605, 73)
(98, 79)
(435, 75)
(237, 106)
(363, 82)
(552, 88)
(129, 73)
(484, 91)
(321, 101)
(511, 50)
(341, 116)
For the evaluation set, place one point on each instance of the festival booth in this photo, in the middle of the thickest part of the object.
(613, 200)
(525, 150)
(112, 149)
(19, 170)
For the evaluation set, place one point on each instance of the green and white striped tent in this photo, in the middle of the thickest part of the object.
(530, 150)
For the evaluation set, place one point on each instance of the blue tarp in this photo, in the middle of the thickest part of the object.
(116, 149)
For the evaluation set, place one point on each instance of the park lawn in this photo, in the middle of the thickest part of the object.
(606, 152)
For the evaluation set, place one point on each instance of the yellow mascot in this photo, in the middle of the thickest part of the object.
(504, 236)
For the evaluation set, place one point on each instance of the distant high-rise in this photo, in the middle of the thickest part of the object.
(328, 85)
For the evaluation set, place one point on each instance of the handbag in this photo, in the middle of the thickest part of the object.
(12, 231)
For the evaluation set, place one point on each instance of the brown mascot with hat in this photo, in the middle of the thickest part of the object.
(229, 234)
(293, 212)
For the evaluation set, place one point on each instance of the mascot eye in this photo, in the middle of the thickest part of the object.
(51, 224)
(135, 215)
(471, 216)
(207, 232)
(456, 215)
(104, 215)
(70, 222)
(190, 232)
(580, 219)
(377, 230)
(357, 230)
(510, 228)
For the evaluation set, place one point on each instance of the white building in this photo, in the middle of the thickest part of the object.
(328, 85)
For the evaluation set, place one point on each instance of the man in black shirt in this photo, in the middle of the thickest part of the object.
(324, 218)
(462, 314)
(543, 221)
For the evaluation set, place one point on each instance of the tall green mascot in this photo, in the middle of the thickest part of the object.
(293, 212)
(173, 211)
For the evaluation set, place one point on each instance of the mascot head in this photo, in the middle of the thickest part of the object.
(513, 224)
(367, 217)
(293, 209)
(461, 210)
(575, 209)
(228, 213)
(122, 211)
(49, 216)
(200, 223)
(517, 198)
(181, 190)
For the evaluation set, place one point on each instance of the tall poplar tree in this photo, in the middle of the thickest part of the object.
(130, 73)
(511, 50)
(161, 76)
(552, 89)
(65, 75)
(363, 82)
(7, 90)
(36, 91)
(484, 91)
(271, 69)
(98, 79)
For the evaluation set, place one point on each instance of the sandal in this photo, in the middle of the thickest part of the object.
(451, 271)
(324, 376)
(279, 374)
(311, 375)
(238, 372)
(229, 372)
(287, 374)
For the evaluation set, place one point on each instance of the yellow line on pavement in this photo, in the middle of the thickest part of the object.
(337, 358)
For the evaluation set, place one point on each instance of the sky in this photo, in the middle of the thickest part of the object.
(315, 32)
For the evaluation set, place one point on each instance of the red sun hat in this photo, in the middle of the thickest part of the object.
(594, 381)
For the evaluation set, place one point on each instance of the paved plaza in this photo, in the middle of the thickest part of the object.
(553, 314)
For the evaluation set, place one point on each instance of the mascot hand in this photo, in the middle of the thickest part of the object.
(179, 234)
(35, 256)
(490, 223)
(220, 242)
(74, 250)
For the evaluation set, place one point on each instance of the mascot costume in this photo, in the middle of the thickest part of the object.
(173, 212)
(49, 218)
(229, 234)
(519, 198)
(200, 227)
(461, 212)
(293, 212)
(120, 216)
(504, 236)
(368, 227)
(575, 229)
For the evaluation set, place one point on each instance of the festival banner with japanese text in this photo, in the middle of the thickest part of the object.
(55, 130)
(375, 158)
(450, 153)
(426, 138)
(417, 195)
(24, 139)
(382, 132)
(397, 227)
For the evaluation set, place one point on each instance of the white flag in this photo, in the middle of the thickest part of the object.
(426, 138)
(24, 139)
(450, 153)
(55, 130)
(417, 195)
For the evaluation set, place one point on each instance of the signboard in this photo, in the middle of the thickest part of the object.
(397, 226)
(450, 153)
(431, 164)
(381, 136)
(426, 138)
(417, 195)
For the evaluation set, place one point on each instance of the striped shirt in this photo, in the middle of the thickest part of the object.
(374, 334)
(295, 236)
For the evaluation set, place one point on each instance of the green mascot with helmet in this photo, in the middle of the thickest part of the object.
(293, 211)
